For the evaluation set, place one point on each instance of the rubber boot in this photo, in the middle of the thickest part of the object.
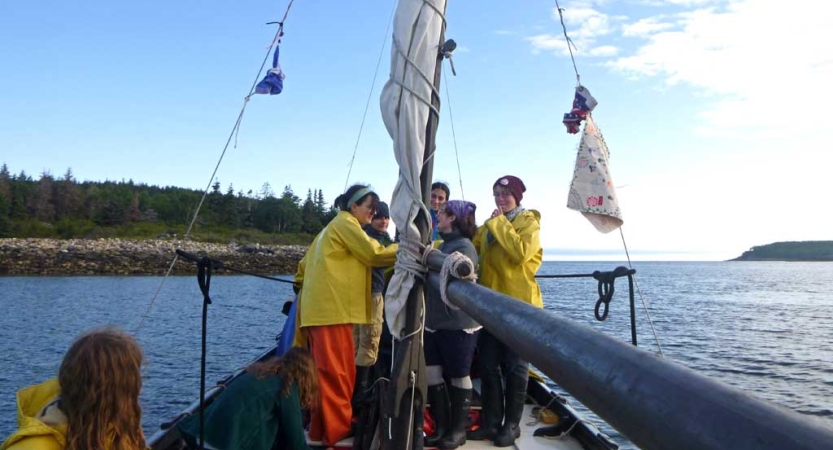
(459, 417)
(491, 412)
(515, 399)
(359, 389)
(438, 405)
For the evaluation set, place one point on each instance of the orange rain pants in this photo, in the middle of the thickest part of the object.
(333, 353)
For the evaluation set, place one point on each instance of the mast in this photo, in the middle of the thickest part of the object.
(407, 393)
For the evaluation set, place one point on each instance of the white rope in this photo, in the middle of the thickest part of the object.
(451, 268)
(639, 291)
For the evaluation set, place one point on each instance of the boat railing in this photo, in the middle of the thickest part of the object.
(653, 401)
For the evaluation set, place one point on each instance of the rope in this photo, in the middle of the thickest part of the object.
(369, 95)
(570, 44)
(454, 137)
(232, 134)
(641, 297)
(451, 267)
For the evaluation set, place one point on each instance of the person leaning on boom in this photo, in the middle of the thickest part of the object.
(335, 280)
(510, 252)
(450, 337)
(94, 402)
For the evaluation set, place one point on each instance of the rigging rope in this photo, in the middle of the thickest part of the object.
(570, 46)
(369, 95)
(569, 42)
(454, 136)
(644, 305)
(276, 40)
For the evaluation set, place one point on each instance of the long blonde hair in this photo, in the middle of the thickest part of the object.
(100, 380)
(295, 366)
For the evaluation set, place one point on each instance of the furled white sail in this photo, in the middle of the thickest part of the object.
(592, 192)
(406, 104)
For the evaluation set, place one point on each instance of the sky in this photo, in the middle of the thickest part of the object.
(713, 111)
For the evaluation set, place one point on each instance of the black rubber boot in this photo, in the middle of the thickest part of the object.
(460, 405)
(491, 412)
(515, 399)
(438, 405)
(359, 389)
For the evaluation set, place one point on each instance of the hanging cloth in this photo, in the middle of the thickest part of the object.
(583, 104)
(592, 193)
(272, 83)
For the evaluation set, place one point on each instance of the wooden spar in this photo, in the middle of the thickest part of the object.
(406, 399)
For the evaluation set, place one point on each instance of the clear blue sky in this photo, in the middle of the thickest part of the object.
(712, 109)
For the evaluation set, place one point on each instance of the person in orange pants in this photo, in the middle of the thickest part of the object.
(332, 351)
(335, 280)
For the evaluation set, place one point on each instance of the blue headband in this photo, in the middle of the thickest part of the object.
(359, 194)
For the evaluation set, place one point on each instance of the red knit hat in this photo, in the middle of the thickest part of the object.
(514, 184)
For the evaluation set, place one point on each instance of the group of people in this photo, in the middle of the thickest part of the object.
(94, 402)
(341, 283)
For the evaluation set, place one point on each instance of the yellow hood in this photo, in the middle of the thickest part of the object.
(33, 433)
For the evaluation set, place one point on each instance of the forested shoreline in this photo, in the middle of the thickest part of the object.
(64, 208)
(790, 251)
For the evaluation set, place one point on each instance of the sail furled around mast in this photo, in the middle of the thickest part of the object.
(592, 192)
(406, 107)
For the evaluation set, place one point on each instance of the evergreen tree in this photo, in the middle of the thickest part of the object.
(43, 208)
(310, 217)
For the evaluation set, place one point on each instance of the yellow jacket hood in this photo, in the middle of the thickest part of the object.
(36, 432)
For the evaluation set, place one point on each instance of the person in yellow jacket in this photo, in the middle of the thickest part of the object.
(93, 404)
(510, 254)
(335, 280)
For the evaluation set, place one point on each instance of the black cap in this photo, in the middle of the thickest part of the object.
(382, 210)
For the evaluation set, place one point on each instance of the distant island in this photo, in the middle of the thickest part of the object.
(790, 251)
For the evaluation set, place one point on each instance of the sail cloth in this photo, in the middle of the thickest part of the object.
(406, 105)
(272, 83)
(592, 192)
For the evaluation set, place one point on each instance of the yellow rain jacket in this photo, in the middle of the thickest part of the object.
(34, 432)
(335, 274)
(509, 263)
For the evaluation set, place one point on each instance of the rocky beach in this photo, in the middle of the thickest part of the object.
(137, 257)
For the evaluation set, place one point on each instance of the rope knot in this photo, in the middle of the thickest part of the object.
(456, 265)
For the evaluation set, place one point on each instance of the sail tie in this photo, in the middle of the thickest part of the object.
(422, 74)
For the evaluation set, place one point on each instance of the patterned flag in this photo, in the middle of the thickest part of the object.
(592, 192)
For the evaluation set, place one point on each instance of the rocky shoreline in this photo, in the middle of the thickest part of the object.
(137, 257)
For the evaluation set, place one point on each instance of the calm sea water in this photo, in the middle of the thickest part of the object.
(762, 326)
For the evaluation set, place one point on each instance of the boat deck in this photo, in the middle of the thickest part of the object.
(526, 442)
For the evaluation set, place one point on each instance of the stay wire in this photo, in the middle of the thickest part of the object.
(234, 129)
(570, 44)
(453, 135)
(370, 95)
(639, 291)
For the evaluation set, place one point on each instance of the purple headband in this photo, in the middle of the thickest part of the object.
(460, 208)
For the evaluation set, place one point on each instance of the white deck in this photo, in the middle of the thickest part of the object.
(526, 442)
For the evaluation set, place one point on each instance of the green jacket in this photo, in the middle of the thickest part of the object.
(512, 256)
(250, 414)
(35, 431)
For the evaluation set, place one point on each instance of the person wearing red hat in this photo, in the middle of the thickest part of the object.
(510, 252)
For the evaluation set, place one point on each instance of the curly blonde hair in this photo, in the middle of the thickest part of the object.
(100, 378)
(295, 366)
